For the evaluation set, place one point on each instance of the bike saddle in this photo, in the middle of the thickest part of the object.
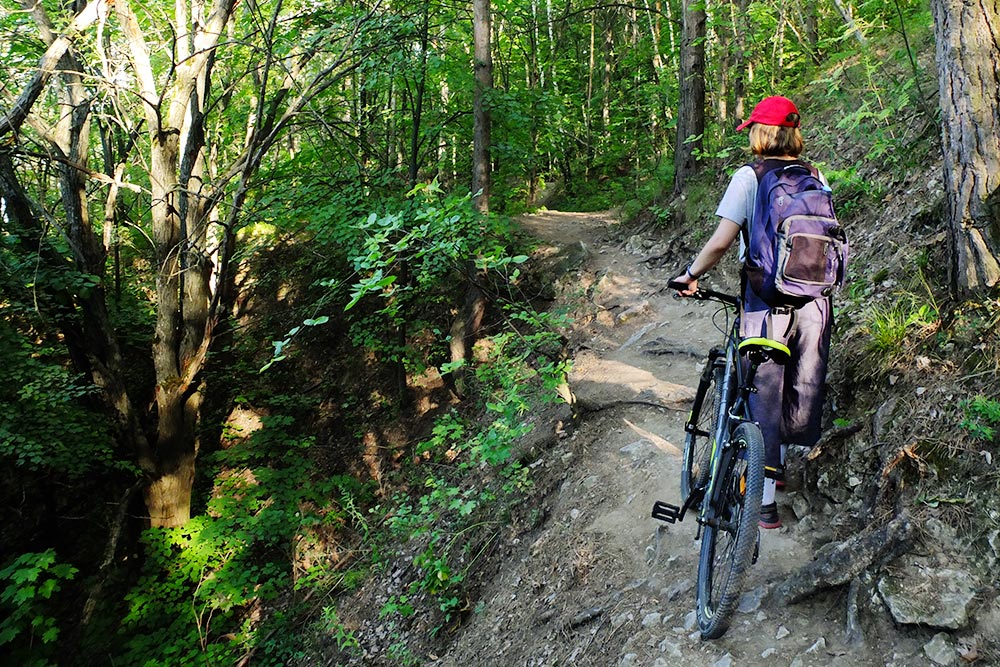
(769, 349)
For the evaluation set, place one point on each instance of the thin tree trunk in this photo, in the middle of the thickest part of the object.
(418, 99)
(691, 111)
(741, 74)
(480, 110)
(654, 34)
(588, 109)
(552, 45)
(469, 320)
(968, 57)
(609, 48)
(847, 14)
(810, 30)
(723, 47)
(675, 60)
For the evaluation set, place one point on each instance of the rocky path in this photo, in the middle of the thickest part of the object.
(599, 582)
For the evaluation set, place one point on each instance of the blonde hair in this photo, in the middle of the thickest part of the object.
(775, 140)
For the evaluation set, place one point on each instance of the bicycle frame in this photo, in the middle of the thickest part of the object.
(737, 385)
(729, 459)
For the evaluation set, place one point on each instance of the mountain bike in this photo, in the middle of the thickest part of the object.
(722, 474)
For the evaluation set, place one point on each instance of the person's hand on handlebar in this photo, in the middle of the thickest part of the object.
(686, 283)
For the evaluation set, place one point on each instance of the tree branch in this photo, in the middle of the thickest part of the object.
(13, 120)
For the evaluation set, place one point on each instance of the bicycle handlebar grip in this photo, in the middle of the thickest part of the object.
(677, 285)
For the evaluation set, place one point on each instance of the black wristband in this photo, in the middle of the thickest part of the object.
(687, 270)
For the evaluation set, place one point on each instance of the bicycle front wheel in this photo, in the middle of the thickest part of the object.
(701, 427)
(729, 534)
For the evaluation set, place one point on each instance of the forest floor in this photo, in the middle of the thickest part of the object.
(599, 582)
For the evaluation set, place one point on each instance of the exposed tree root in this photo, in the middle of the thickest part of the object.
(840, 563)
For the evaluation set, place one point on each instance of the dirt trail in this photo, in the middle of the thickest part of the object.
(599, 582)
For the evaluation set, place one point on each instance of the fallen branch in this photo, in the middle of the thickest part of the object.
(584, 617)
(839, 563)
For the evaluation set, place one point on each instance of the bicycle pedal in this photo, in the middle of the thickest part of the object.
(667, 512)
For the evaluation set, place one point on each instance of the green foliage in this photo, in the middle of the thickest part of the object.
(982, 417)
(975, 326)
(899, 322)
(45, 425)
(200, 581)
(332, 190)
(29, 629)
(281, 345)
(407, 260)
(890, 326)
(454, 509)
(331, 625)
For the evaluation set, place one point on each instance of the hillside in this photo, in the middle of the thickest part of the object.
(584, 576)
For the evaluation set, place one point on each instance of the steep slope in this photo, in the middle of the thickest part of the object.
(600, 583)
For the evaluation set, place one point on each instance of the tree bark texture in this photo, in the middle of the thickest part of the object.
(968, 57)
(691, 111)
(483, 64)
(183, 323)
(839, 563)
(847, 14)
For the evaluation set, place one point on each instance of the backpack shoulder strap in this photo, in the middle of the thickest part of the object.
(767, 165)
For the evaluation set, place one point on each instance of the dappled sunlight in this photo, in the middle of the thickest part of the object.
(598, 382)
(243, 422)
(661, 443)
(553, 226)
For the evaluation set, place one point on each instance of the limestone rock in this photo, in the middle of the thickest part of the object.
(940, 650)
(919, 593)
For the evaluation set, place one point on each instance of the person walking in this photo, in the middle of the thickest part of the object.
(789, 401)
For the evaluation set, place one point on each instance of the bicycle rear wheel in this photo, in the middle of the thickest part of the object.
(701, 427)
(729, 534)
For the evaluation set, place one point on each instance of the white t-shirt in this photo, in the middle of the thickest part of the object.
(738, 201)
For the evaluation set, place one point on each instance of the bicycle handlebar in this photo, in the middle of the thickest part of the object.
(706, 294)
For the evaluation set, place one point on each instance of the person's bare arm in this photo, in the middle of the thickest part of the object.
(710, 254)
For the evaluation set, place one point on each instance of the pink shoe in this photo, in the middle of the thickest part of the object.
(769, 516)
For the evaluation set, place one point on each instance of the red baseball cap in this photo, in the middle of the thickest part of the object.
(775, 110)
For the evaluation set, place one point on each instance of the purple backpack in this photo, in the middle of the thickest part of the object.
(796, 250)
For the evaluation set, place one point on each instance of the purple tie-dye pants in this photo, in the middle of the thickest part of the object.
(788, 403)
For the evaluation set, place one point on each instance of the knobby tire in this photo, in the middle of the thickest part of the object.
(729, 535)
(701, 427)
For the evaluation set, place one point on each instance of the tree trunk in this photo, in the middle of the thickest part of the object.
(418, 100)
(465, 329)
(691, 111)
(168, 496)
(847, 14)
(810, 29)
(741, 74)
(968, 57)
(609, 49)
(480, 110)
(466, 325)
(588, 121)
(183, 326)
